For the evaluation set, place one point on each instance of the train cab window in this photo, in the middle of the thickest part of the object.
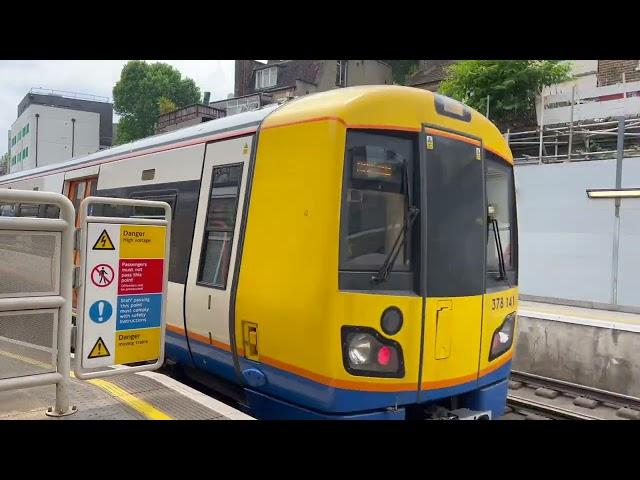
(219, 226)
(501, 230)
(376, 202)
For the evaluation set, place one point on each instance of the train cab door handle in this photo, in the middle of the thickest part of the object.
(250, 340)
(444, 320)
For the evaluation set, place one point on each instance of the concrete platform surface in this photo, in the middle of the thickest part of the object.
(126, 396)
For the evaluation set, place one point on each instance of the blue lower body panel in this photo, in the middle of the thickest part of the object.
(266, 407)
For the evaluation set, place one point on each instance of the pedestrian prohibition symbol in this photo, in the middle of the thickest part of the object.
(102, 275)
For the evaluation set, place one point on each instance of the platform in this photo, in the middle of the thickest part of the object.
(593, 317)
(129, 396)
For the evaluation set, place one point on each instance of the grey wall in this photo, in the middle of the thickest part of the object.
(566, 240)
(603, 358)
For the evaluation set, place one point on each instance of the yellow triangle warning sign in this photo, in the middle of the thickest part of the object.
(99, 350)
(104, 242)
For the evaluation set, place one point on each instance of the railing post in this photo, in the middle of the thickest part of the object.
(616, 227)
(573, 98)
(62, 408)
(541, 127)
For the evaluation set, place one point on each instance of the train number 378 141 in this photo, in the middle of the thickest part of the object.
(502, 302)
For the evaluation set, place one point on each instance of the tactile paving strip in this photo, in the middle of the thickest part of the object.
(164, 399)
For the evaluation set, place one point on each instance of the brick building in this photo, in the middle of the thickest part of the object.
(258, 84)
(610, 71)
(430, 75)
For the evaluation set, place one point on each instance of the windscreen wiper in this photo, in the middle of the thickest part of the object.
(496, 234)
(382, 274)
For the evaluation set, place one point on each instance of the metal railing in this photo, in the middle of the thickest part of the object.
(67, 94)
(15, 302)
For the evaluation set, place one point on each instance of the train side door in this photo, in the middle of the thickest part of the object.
(213, 253)
(77, 191)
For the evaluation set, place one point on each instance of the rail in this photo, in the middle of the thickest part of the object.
(576, 402)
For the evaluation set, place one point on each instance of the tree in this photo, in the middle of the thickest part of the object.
(510, 85)
(4, 163)
(146, 90)
(402, 69)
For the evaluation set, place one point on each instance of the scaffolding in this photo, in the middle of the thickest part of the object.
(576, 141)
(582, 138)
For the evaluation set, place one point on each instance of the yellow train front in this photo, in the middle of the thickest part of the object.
(378, 269)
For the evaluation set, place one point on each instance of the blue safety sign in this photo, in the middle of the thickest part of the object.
(139, 311)
(100, 311)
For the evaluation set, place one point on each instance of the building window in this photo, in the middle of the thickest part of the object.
(220, 226)
(266, 78)
(19, 135)
(26, 128)
(26, 152)
(341, 73)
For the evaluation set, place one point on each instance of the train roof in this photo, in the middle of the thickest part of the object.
(220, 125)
(375, 106)
(391, 107)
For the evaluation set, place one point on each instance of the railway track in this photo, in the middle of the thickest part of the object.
(535, 397)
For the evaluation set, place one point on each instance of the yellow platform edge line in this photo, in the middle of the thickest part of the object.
(139, 405)
(24, 359)
(145, 408)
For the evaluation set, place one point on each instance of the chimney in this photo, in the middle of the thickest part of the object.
(243, 76)
(207, 97)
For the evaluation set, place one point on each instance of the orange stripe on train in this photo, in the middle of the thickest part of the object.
(349, 384)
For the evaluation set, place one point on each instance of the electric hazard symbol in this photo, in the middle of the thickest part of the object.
(104, 242)
(99, 350)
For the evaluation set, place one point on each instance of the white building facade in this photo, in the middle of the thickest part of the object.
(43, 135)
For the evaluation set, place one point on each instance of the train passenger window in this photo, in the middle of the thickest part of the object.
(51, 211)
(376, 200)
(219, 226)
(28, 210)
(8, 209)
(154, 212)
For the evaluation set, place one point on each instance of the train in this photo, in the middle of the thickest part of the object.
(350, 254)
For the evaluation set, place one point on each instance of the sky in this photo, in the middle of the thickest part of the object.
(94, 77)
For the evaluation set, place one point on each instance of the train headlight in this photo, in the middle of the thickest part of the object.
(503, 337)
(359, 349)
(367, 353)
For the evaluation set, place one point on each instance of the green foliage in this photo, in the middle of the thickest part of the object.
(402, 69)
(512, 85)
(165, 105)
(143, 91)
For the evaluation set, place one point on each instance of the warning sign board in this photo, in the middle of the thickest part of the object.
(99, 350)
(104, 242)
(124, 293)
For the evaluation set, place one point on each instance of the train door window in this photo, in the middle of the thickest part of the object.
(501, 231)
(219, 226)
